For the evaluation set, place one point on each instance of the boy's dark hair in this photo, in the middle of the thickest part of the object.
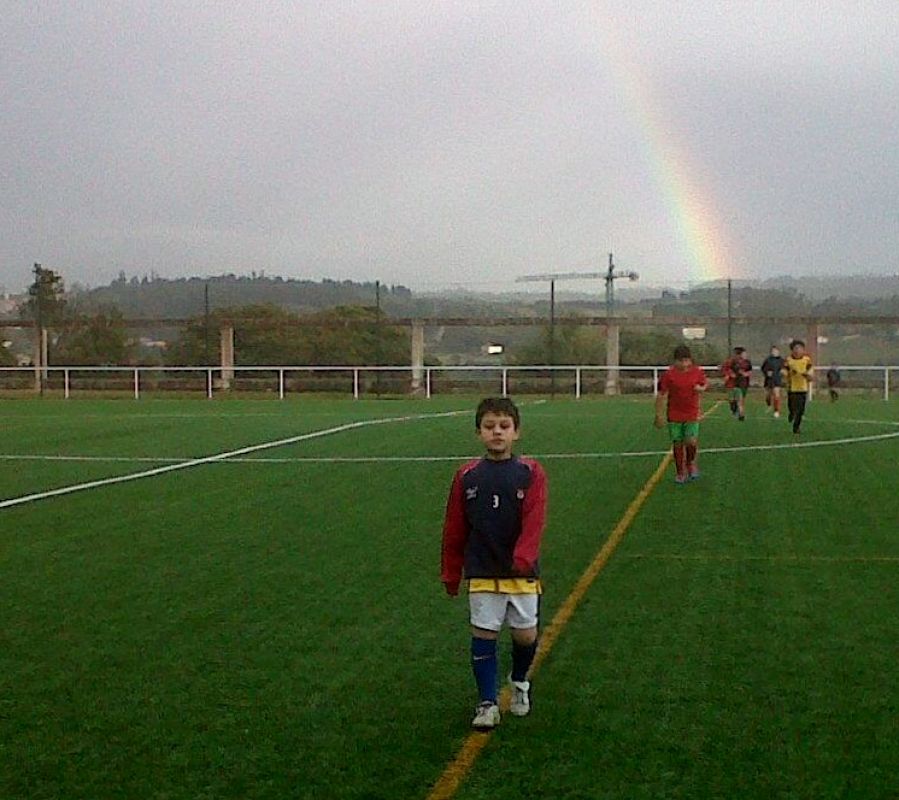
(739, 350)
(682, 351)
(497, 405)
(795, 342)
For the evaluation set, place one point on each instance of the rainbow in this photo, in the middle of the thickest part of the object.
(697, 225)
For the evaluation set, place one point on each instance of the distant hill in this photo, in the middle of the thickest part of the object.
(154, 297)
(821, 287)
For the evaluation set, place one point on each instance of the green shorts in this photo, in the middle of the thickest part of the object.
(738, 391)
(678, 431)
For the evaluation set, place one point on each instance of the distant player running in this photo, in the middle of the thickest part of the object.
(772, 371)
(677, 405)
(833, 383)
(798, 367)
(494, 521)
(737, 371)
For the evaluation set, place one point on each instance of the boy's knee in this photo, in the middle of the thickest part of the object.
(524, 636)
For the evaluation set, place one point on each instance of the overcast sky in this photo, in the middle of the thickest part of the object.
(434, 144)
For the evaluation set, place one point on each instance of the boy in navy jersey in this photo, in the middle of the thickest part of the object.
(494, 521)
(772, 369)
(737, 371)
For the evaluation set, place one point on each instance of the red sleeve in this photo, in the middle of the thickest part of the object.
(664, 382)
(702, 381)
(455, 533)
(533, 520)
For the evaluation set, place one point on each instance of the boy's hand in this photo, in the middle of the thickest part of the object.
(522, 567)
(660, 422)
(452, 587)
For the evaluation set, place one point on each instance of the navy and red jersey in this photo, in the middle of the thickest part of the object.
(495, 515)
(683, 399)
(736, 372)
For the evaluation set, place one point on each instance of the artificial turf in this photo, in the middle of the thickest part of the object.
(274, 627)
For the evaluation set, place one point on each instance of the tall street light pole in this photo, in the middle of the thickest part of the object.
(378, 353)
(609, 276)
(552, 277)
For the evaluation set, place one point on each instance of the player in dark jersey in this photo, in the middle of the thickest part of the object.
(834, 379)
(495, 515)
(737, 371)
(772, 371)
(680, 389)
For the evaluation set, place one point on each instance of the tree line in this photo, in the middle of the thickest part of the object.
(91, 328)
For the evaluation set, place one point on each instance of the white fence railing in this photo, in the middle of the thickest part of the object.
(576, 380)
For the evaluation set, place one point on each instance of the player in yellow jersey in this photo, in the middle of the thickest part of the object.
(799, 373)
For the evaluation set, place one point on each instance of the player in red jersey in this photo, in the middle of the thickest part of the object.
(680, 389)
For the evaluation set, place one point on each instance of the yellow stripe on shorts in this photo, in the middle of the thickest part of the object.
(506, 585)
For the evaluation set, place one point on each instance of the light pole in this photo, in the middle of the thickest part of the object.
(730, 317)
(39, 321)
(206, 323)
(378, 353)
(552, 277)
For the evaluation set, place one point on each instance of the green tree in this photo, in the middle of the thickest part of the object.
(94, 339)
(355, 335)
(648, 347)
(7, 359)
(46, 298)
(564, 344)
(581, 344)
(269, 335)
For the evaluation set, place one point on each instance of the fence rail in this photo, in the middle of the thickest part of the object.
(570, 380)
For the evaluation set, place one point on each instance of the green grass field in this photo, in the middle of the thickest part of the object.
(272, 625)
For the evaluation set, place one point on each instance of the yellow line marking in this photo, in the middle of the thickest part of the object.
(452, 777)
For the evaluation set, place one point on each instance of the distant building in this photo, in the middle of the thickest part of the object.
(9, 304)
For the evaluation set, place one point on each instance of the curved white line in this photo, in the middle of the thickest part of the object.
(194, 462)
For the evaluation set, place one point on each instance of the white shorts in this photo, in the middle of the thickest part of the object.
(489, 610)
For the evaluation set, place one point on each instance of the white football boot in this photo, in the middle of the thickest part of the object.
(521, 698)
(486, 716)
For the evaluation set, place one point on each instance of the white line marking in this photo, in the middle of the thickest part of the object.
(179, 463)
(15, 501)
(231, 459)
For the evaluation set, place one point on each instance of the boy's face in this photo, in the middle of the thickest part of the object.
(797, 350)
(775, 351)
(498, 433)
(683, 364)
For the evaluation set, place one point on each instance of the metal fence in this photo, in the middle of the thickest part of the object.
(365, 381)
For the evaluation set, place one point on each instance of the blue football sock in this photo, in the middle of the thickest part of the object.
(483, 664)
(522, 658)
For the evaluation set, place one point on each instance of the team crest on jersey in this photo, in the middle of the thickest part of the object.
(471, 492)
(520, 494)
